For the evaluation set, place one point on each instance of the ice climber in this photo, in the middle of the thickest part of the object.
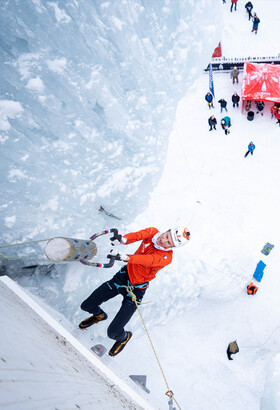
(154, 253)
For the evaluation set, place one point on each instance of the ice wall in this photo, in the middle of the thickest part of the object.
(88, 94)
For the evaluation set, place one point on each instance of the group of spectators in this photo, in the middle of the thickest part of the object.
(249, 7)
(226, 121)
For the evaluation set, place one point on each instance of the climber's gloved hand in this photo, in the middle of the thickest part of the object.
(119, 240)
(120, 256)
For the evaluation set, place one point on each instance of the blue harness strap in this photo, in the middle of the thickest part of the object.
(141, 286)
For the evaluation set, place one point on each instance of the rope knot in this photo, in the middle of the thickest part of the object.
(133, 296)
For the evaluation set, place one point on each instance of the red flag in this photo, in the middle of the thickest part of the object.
(217, 51)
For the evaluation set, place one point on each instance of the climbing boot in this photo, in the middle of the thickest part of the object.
(92, 320)
(119, 346)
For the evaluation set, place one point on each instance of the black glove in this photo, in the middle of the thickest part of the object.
(120, 256)
(119, 240)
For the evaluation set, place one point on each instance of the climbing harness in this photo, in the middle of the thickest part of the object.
(132, 287)
(169, 392)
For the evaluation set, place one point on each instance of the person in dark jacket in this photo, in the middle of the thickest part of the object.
(235, 99)
(251, 148)
(212, 122)
(226, 123)
(209, 99)
(223, 104)
(233, 2)
(249, 8)
(260, 107)
(256, 22)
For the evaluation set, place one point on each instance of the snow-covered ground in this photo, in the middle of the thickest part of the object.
(237, 39)
(199, 304)
(236, 215)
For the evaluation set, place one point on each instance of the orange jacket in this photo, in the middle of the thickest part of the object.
(147, 260)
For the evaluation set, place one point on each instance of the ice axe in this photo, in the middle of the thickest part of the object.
(111, 258)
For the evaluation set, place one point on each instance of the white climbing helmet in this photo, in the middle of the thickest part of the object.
(180, 236)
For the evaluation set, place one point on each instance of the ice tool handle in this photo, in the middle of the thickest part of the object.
(111, 258)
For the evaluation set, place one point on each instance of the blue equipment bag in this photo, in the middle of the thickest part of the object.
(258, 274)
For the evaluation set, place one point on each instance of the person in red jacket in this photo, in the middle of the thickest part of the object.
(233, 2)
(273, 110)
(277, 116)
(154, 253)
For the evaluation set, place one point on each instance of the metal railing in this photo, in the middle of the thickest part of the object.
(224, 64)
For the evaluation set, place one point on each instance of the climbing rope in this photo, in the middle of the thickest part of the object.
(191, 175)
(187, 162)
(264, 343)
(238, 279)
(169, 392)
(24, 259)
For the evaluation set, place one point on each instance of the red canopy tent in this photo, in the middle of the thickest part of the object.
(261, 82)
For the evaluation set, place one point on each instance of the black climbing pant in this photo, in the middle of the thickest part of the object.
(108, 290)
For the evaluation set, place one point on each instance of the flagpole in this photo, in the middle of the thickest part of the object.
(211, 81)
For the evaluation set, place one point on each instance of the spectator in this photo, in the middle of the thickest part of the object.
(223, 104)
(273, 110)
(251, 148)
(256, 22)
(277, 115)
(212, 122)
(248, 106)
(260, 107)
(235, 99)
(234, 74)
(233, 2)
(226, 123)
(209, 99)
(249, 8)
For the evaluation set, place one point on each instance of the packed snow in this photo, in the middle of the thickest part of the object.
(198, 304)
